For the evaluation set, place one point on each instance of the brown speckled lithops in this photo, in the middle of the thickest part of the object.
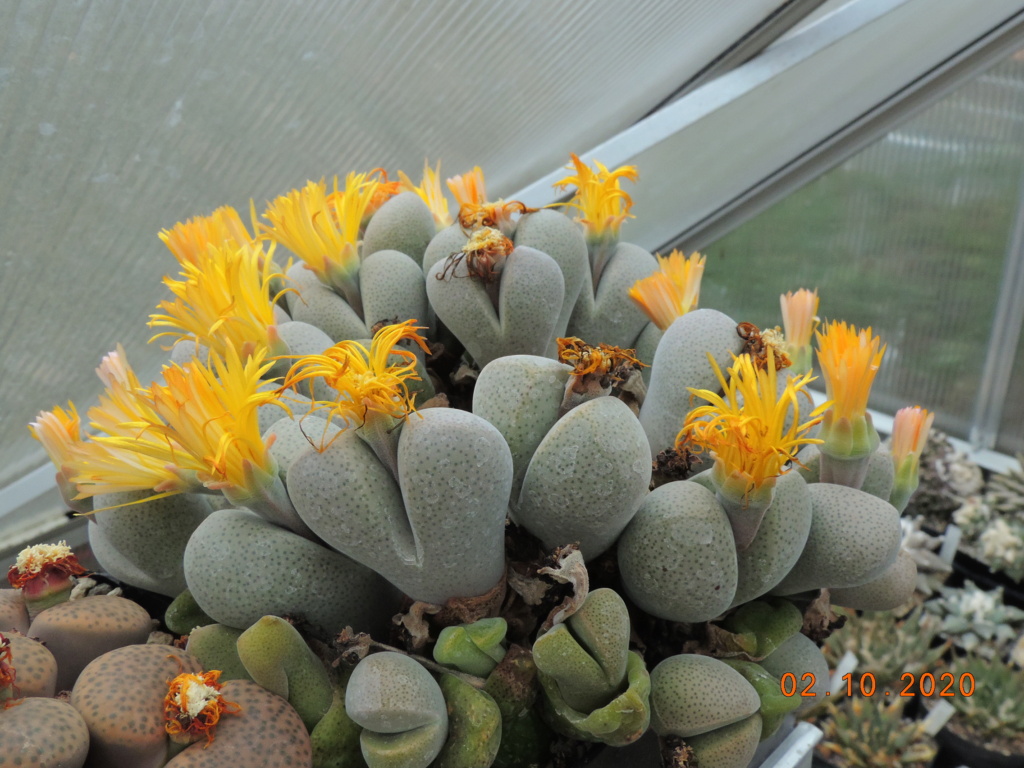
(267, 733)
(121, 696)
(13, 614)
(78, 631)
(42, 733)
(34, 666)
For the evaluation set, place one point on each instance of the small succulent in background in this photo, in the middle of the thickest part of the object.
(932, 570)
(993, 713)
(948, 477)
(888, 648)
(976, 620)
(865, 733)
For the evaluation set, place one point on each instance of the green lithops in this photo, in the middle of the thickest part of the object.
(436, 533)
(121, 696)
(779, 542)
(681, 361)
(446, 242)
(596, 688)
(216, 647)
(732, 746)
(800, 657)
(335, 739)
(43, 733)
(266, 733)
(586, 655)
(275, 656)
(587, 478)
(474, 726)
(892, 589)
(317, 305)
(775, 705)
(765, 624)
(239, 568)
(692, 695)
(143, 542)
(560, 238)
(677, 557)
(78, 631)
(475, 648)
(401, 709)
(184, 614)
(34, 666)
(514, 312)
(404, 223)
(854, 538)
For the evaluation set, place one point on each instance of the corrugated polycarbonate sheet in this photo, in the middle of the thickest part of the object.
(119, 119)
(909, 237)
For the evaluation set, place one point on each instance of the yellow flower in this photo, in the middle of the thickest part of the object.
(60, 432)
(430, 192)
(323, 229)
(600, 199)
(210, 410)
(849, 360)
(910, 433)
(745, 428)
(366, 382)
(672, 291)
(130, 453)
(469, 188)
(189, 240)
(223, 301)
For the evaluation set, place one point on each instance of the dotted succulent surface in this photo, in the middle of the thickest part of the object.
(691, 695)
(121, 697)
(42, 733)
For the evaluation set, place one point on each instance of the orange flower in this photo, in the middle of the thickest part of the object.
(672, 291)
(910, 433)
(849, 360)
(193, 706)
(587, 359)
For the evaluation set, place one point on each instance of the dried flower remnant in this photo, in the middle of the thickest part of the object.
(483, 254)
(849, 360)
(745, 431)
(672, 291)
(8, 688)
(475, 211)
(224, 300)
(799, 319)
(597, 369)
(194, 705)
(429, 190)
(909, 435)
(757, 344)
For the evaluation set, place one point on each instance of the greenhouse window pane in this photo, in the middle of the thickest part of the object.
(909, 236)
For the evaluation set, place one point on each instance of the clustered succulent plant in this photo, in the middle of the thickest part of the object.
(977, 620)
(432, 495)
(993, 523)
(993, 713)
(862, 733)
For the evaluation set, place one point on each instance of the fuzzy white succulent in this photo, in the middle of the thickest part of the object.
(1003, 544)
(977, 620)
(973, 516)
